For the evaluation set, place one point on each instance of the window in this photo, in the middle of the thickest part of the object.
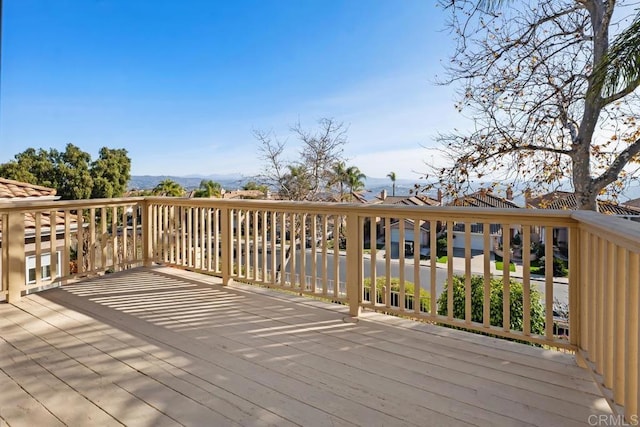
(45, 267)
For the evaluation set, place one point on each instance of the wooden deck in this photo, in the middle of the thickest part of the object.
(167, 347)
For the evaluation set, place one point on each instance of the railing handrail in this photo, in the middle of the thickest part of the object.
(621, 231)
(34, 205)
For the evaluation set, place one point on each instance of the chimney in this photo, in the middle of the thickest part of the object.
(440, 196)
(509, 193)
(383, 194)
(483, 191)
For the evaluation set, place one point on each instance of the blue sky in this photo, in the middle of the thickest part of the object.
(182, 84)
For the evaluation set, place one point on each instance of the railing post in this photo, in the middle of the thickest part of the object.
(226, 237)
(354, 264)
(575, 285)
(14, 245)
(147, 234)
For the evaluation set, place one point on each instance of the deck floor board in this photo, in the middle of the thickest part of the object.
(168, 347)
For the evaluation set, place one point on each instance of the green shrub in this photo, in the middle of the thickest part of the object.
(409, 289)
(477, 299)
(441, 246)
(559, 267)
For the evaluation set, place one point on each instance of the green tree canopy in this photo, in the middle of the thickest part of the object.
(71, 172)
(168, 187)
(208, 188)
(252, 185)
(111, 172)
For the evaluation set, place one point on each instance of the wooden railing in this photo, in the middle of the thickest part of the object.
(608, 303)
(433, 264)
(46, 244)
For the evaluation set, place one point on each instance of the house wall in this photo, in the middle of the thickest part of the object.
(477, 241)
(45, 259)
(409, 237)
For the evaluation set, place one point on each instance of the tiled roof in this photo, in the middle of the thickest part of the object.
(10, 189)
(564, 200)
(417, 200)
(484, 199)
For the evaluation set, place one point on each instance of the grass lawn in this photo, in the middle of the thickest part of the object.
(500, 266)
(442, 259)
(536, 270)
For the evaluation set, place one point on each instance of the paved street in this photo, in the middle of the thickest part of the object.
(560, 287)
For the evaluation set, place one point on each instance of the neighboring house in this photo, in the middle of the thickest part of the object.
(484, 198)
(410, 200)
(12, 191)
(564, 200)
(412, 242)
(635, 203)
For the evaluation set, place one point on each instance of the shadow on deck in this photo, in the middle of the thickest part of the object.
(166, 347)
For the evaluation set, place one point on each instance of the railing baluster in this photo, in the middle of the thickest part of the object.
(609, 314)
(631, 342)
(450, 270)
(620, 281)
(373, 246)
(417, 244)
(401, 256)
(325, 257)
(433, 254)
(303, 251)
(526, 280)
(486, 266)
(314, 251)
(600, 284)
(576, 291)
(387, 258)
(336, 254)
(548, 281)
(506, 277)
(467, 273)
(53, 245)
(38, 247)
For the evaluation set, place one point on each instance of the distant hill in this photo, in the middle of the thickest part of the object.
(234, 181)
(147, 182)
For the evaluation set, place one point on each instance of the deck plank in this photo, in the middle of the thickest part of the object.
(164, 346)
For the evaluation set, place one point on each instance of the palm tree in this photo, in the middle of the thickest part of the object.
(355, 179)
(340, 177)
(296, 183)
(168, 187)
(208, 189)
(392, 177)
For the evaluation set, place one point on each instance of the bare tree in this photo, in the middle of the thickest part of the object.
(310, 176)
(536, 78)
(321, 150)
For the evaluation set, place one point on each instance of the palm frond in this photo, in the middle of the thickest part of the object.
(619, 70)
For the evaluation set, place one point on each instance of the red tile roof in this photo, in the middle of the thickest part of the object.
(484, 199)
(416, 200)
(10, 189)
(564, 200)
